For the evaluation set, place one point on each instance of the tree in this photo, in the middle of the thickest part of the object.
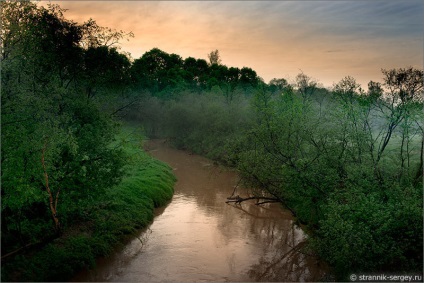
(375, 89)
(196, 72)
(55, 142)
(278, 85)
(105, 68)
(333, 171)
(403, 99)
(306, 86)
(157, 70)
(214, 58)
(404, 83)
(403, 94)
(354, 123)
(248, 77)
(95, 36)
(15, 16)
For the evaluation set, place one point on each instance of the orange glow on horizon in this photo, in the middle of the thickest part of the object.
(259, 35)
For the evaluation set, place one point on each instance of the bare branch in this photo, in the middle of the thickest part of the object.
(237, 199)
(123, 107)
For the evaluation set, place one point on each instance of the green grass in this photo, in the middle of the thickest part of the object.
(120, 212)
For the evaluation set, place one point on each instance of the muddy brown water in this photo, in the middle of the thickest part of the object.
(198, 237)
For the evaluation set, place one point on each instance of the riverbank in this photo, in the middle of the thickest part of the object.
(201, 238)
(120, 211)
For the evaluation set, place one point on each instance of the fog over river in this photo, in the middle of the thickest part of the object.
(199, 237)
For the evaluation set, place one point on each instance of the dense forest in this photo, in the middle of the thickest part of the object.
(74, 178)
(346, 162)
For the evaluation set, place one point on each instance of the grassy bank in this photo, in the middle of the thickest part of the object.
(345, 163)
(117, 213)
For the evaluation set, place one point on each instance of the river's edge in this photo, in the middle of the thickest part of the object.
(246, 241)
(125, 209)
(219, 159)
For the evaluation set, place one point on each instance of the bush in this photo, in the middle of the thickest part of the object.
(103, 221)
(365, 231)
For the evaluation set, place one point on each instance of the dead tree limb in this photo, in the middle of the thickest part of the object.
(237, 199)
(123, 107)
(235, 188)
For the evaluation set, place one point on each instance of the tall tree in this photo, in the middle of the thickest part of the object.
(306, 85)
(278, 85)
(214, 58)
(405, 84)
(55, 152)
(404, 97)
(156, 70)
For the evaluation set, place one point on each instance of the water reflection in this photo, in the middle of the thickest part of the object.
(198, 237)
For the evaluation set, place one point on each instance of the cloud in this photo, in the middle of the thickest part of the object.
(326, 39)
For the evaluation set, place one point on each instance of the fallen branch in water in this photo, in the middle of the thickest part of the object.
(235, 188)
(237, 199)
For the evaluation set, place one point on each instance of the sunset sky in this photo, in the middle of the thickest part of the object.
(327, 40)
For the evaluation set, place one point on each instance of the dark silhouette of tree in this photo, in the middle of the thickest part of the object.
(277, 85)
(105, 68)
(375, 89)
(156, 70)
(214, 58)
(248, 77)
(405, 83)
(196, 73)
(305, 85)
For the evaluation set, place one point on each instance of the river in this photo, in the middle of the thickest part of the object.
(198, 237)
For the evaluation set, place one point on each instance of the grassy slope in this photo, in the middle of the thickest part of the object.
(121, 211)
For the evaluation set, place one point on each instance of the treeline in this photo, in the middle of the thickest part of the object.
(348, 163)
(55, 139)
(163, 74)
(73, 182)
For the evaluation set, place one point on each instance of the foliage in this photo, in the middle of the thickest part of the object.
(166, 75)
(60, 157)
(365, 231)
(55, 139)
(202, 122)
(214, 57)
(121, 210)
(344, 171)
(347, 163)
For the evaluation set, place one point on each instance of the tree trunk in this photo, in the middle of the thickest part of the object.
(419, 174)
(52, 200)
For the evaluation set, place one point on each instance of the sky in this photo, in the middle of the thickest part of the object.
(326, 40)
